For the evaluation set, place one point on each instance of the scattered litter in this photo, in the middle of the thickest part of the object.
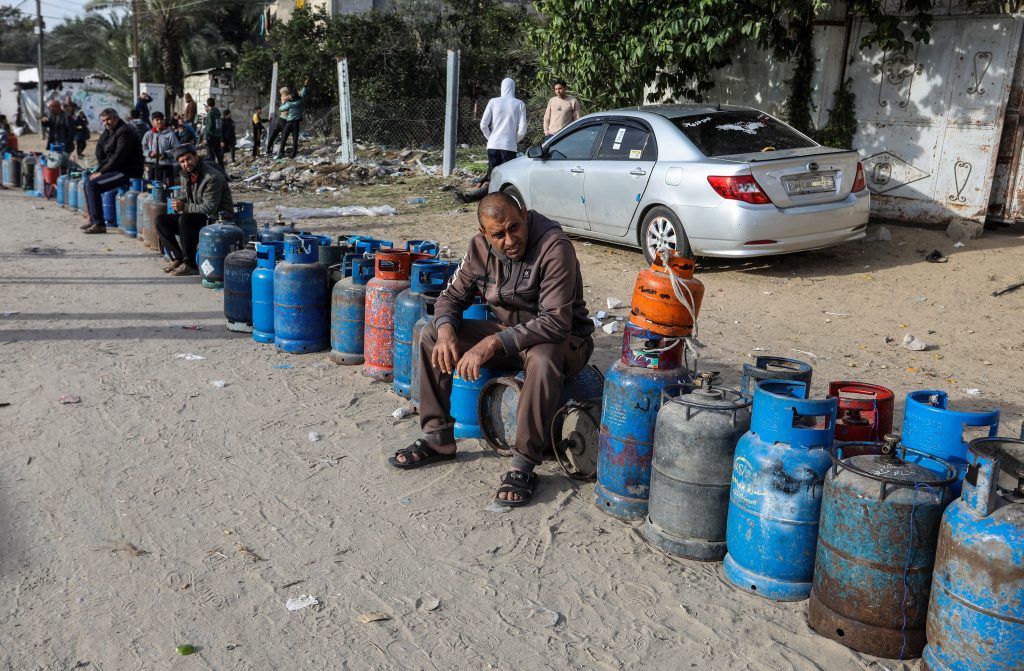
(193, 327)
(427, 603)
(219, 384)
(610, 328)
(601, 314)
(889, 339)
(597, 322)
(406, 501)
(919, 299)
(320, 365)
(495, 507)
(935, 256)
(838, 314)
(69, 399)
(190, 357)
(767, 293)
(810, 354)
(547, 617)
(959, 244)
(325, 189)
(367, 618)
(762, 349)
(445, 253)
(5, 404)
(328, 461)
(1006, 290)
(402, 412)
(185, 649)
(329, 212)
(910, 369)
(300, 602)
(314, 437)
(415, 200)
(247, 553)
(282, 366)
(884, 235)
(11, 313)
(130, 548)
(613, 303)
(973, 392)
(913, 343)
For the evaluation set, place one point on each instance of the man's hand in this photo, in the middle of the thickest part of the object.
(446, 350)
(95, 175)
(177, 204)
(472, 361)
(305, 82)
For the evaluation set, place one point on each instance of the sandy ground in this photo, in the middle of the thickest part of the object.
(163, 510)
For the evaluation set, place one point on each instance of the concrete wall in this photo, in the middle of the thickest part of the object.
(8, 94)
(221, 86)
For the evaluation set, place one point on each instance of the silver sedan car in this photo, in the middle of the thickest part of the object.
(709, 180)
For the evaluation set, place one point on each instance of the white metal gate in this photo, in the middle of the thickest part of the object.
(929, 122)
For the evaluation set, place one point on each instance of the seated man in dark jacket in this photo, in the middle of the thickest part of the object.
(526, 269)
(118, 158)
(206, 194)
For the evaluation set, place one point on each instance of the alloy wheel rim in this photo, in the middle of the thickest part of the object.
(660, 233)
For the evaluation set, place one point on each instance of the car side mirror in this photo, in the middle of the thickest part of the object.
(536, 151)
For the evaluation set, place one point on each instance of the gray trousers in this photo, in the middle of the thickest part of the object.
(547, 365)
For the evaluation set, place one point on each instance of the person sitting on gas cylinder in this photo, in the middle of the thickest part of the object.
(206, 194)
(118, 159)
(526, 269)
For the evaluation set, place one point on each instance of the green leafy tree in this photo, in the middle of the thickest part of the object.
(626, 52)
(17, 39)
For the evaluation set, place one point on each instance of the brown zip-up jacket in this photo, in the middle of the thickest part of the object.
(539, 298)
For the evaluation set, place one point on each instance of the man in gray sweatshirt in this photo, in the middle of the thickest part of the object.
(157, 146)
(525, 268)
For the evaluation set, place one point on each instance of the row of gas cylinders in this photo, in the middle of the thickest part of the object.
(35, 173)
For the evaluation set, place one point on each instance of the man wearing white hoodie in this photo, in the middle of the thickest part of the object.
(504, 126)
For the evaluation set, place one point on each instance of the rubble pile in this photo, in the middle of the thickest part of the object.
(317, 168)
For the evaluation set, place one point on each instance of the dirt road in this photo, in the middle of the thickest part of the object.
(163, 510)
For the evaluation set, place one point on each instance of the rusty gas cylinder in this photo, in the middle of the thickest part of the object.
(663, 308)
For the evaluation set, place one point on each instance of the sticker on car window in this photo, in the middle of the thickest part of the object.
(619, 135)
(616, 146)
(691, 124)
(748, 127)
(636, 153)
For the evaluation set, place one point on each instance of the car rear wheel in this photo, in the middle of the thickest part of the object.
(661, 228)
(514, 192)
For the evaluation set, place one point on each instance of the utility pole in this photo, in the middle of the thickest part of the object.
(39, 60)
(348, 153)
(135, 51)
(451, 114)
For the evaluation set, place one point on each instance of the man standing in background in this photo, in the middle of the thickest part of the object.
(228, 135)
(257, 131)
(504, 126)
(291, 112)
(213, 132)
(191, 110)
(562, 110)
(142, 104)
(59, 128)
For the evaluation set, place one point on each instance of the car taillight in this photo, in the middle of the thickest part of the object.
(858, 181)
(739, 187)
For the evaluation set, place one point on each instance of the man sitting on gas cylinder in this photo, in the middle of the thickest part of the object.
(526, 269)
(206, 194)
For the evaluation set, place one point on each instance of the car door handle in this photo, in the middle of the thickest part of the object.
(576, 171)
(638, 172)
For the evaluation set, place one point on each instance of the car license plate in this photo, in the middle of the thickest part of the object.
(804, 184)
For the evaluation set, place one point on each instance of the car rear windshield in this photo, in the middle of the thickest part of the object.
(739, 132)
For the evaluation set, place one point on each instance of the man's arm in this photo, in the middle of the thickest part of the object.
(560, 274)
(547, 119)
(459, 293)
(485, 122)
(211, 196)
(121, 154)
(577, 110)
(521, 133)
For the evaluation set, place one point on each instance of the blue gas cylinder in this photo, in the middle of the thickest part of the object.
(464, 400)
(129, 207)
(216, 241)
(83, 206)
(498, 406)
(427, 300)
(72, 195)
(143, 207)
(108, 199)
(245, 220)
(774, 368)
(62, 190)
(426, 275)
(775, 500)
(879, 520)
(40, 179)
(301, 299)
(976, 611)
(238, 269)
(173, 193)
(423, 247)
(366, 244)
(119, 207)
(929, 426)
(348, 299)
(5, 169)
(263, 291)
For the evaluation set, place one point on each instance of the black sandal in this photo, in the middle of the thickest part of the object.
(420, 453)
(516, 482)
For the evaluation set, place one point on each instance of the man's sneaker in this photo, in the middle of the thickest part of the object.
(184, 270)
(95, 229)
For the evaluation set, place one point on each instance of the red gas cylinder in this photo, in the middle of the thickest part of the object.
(390, 279)
(864, 414)
(656, 306)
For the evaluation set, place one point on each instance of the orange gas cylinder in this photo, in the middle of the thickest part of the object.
(655, 305)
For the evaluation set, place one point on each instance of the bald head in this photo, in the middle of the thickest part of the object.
(494, 205)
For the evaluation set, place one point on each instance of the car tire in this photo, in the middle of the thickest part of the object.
(661, 225)
(514, 192)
